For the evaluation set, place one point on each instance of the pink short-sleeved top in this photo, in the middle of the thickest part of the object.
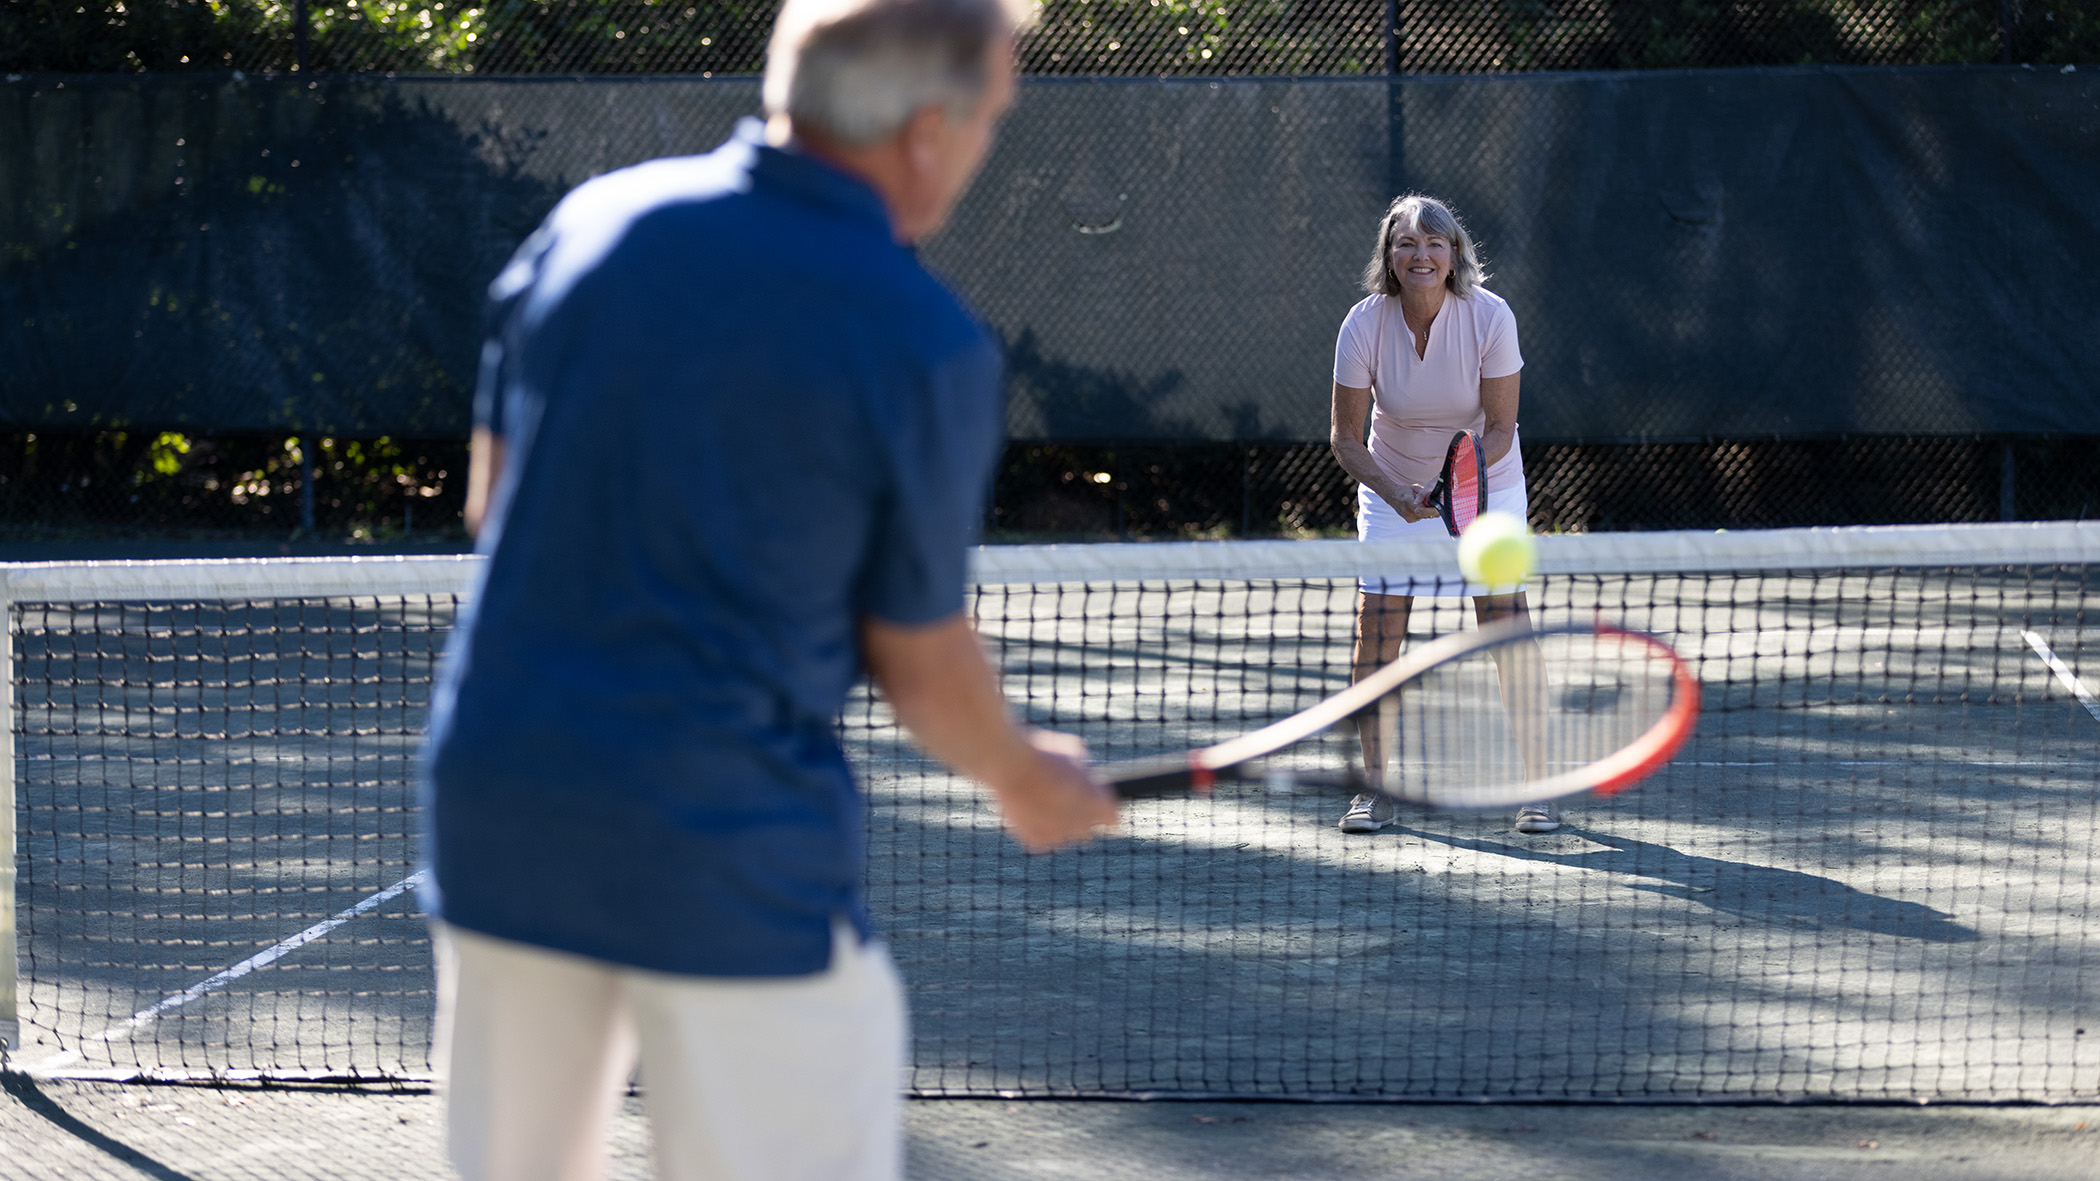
(1420, 402)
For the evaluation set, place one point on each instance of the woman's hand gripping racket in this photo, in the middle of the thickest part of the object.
(1461, 490)
(1503, 716)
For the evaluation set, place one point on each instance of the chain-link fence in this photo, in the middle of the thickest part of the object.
(1209, 490)
(1209, 37)
(391, 491)
(100, 482)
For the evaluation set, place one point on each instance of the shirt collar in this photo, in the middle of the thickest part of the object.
(799, 174)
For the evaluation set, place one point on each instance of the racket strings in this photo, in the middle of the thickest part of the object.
(1491, 727)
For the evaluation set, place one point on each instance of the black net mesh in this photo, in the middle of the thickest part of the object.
(1716, 933)
(1865, 878)
(216, 825)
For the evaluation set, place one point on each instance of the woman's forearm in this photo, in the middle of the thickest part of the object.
(1498, 402)
(1355, 459)
(1495, 443)
(1345, 438)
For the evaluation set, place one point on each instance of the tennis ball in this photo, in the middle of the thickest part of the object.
(1496, 549)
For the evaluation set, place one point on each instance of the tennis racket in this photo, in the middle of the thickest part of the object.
(1461, 490)
(1505, 715)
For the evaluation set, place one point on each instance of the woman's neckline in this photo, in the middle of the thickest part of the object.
(1418, 346)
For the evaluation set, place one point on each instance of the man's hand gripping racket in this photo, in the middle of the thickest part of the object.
(1503, 716)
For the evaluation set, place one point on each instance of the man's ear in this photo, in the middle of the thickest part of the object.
(923, 136)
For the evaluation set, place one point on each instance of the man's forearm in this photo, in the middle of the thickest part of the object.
(946, 694)
(484, 468)
(943, 689)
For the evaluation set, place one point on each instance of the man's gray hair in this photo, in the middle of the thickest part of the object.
(857, 69)
(1424, 215)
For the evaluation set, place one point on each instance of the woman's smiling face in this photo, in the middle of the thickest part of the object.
(1421, 260)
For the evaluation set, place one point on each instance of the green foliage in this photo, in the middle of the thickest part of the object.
(624, 36)
(1671, 34)
(1205, 37)
(119, 483)
(1074, 36)
(111, 36)
(460, 36)
(165, 453)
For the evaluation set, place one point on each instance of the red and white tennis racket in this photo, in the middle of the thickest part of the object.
(1506, 715)
(1461, 489)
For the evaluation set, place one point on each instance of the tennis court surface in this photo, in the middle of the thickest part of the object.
(1868, 877)
(93, 1130)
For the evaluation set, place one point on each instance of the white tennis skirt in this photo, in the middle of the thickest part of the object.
(1377, 521)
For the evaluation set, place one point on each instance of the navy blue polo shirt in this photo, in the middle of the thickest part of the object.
(739, 417)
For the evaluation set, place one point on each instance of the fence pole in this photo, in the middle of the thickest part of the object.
(1115, 466)
(2005, 32)
(1395, 114)
(306, 484)
(10, 964)
(2005, 481)
(299, 33)
(1247, 492)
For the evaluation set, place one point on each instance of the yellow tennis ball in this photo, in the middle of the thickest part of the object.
(1497, 549)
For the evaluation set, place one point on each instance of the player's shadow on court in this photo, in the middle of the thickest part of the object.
(1785, 897)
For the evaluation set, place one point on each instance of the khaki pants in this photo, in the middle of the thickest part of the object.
(762, 1079)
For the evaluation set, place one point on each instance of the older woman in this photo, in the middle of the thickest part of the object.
(1429, 353)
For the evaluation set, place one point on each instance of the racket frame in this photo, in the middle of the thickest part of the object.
(1199, 769)
(1440, 497)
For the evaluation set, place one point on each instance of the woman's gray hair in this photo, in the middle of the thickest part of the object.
(1424, 215)
(857, 69)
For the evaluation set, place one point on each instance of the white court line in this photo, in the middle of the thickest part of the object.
(261, 959)
(2063, 673)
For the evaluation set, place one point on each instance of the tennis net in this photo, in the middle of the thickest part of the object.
(1867, 877)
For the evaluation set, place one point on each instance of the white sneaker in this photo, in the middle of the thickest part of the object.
(1536, 818)
(1369, 812)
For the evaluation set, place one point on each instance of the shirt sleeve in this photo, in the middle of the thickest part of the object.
(493, 379)
(1499, 356)
(1354, 364)
(939, 465)
(488, 386)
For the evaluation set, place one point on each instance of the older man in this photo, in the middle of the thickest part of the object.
(731, 444)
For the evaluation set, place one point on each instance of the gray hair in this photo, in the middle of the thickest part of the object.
(857, 69)
(1424, 215)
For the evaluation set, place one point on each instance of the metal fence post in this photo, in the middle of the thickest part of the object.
(10, 1013)
(1392, 36)
(2007, 507)
(306, 484)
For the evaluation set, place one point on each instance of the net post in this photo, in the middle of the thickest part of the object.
(10, 1016)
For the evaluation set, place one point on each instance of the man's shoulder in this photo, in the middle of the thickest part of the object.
(625, 194)
(591, 225)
